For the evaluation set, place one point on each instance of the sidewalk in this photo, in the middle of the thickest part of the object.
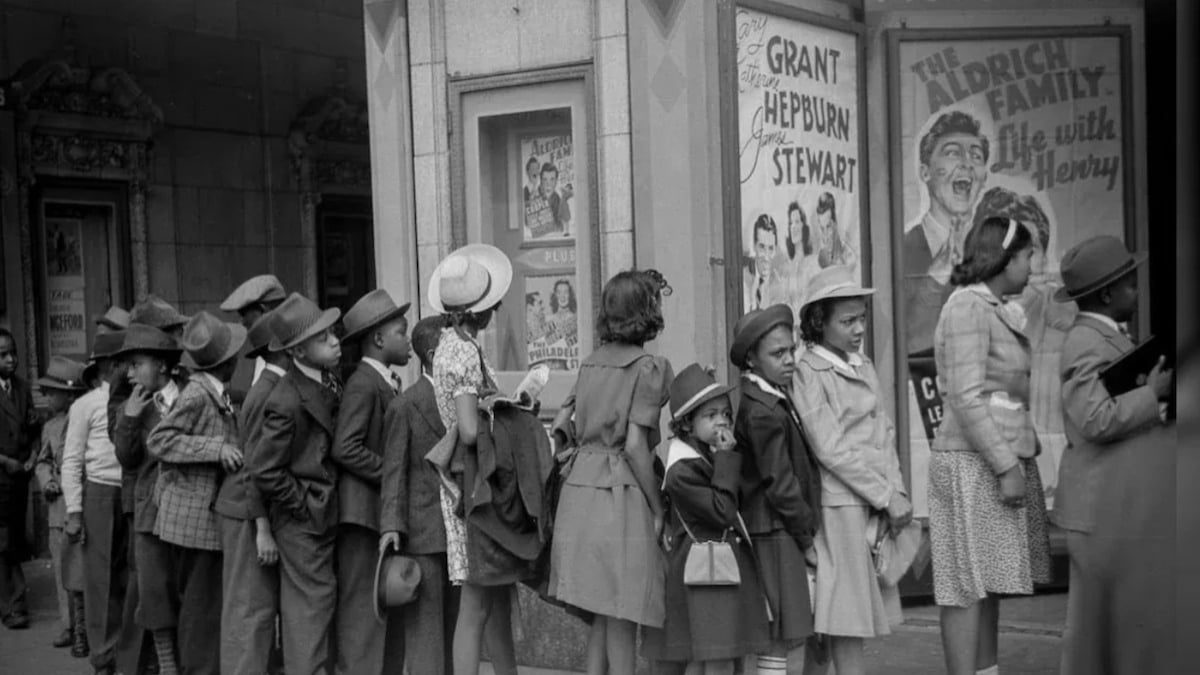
(1030, 628)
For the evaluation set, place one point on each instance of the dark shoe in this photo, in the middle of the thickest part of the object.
(64, 639)
(16, 620)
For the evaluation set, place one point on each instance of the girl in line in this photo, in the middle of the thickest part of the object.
(987, 513)
(604, 557)
(838, 396)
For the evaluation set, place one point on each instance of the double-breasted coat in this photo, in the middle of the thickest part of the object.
(19, 428)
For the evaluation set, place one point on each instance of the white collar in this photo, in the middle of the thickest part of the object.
(764, 385)
(847, 365)
(1106, 320)
(274, 369)
(384, 371)
(312, 373)
(165, 397)
(679, 449)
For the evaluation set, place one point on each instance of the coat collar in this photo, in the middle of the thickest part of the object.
(1010, 312)
(1114, 337)
(820, 358)
(205, 383)
(311, 397)
(616, 354)
(382, 382)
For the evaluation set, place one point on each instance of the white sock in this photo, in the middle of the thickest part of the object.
(994, 670)
(772, 665)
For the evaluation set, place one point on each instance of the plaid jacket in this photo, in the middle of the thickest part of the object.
(983, 360)
(188, 442)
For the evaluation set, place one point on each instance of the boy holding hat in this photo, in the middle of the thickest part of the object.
(1100, 275)
(61, 384)
(294, 472)
(152, 356)
(197, 439)
(91, 485)
(250, 574)
(18, 433)
(379, 325)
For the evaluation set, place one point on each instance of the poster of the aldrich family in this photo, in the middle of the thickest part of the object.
(1029, 129)
(798, 138)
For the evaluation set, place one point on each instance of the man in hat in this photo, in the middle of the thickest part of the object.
(112, 320)
(197, 439)
(1100, 276)
(61, 384)
(255, 297)
(152, 356)
(18, 432)
(380, 328)
(91, 484)
(294, 472)
(250, 572)
(411, 513)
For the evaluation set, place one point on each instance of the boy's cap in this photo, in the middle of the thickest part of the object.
(693, 387)
(262, 288)
(1094, 263)
(753, 326)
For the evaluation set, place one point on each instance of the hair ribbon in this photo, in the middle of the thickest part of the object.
(1008, 236)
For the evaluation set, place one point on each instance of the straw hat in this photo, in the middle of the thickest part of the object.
(838, 281)
(693, 387)
(470, 279)
(397, 580)
(371, 310)
(298, 319)
(63, 374)
(208, 341)
(753, 326)
(140, 337)
(262, 288)
(1094, 263)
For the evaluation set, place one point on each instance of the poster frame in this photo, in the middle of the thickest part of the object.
(731, 167)
(895, 37)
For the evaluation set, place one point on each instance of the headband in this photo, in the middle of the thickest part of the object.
(1008, 236)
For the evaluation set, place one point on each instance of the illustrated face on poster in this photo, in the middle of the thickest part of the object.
(798, 132)
(1028, 129)
(549, 178)
(552, 321)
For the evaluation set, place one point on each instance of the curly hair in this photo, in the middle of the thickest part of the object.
(805, 237)
(813, 319)
(984, 255)
(631, 307)
(572, 305)
(953, 122)
(1004, 203)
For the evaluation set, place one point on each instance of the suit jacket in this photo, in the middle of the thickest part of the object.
(19, 425)
(411, 497)
(781, 487)
(188, 441)
(358, 445)
(129, 436)
(1099, 427)
(239, 496)
(291, 464)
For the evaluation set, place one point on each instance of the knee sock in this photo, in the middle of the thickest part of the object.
(164, 648)
(772, 665)
(994, 670)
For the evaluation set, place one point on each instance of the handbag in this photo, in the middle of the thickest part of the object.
(892, 553)
(710, 563)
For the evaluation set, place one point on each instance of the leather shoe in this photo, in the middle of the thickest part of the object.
(64, 639)
(16, 620)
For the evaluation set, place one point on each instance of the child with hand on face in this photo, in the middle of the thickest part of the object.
(708, 627)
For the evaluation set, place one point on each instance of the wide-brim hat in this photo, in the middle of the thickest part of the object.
(259, 289)
(156, 312)
(753, 326)
(397, 580)
(298, 319)
(693, 387)
(140, 337)
(1094, 263)
(209, 342)
(106, 345)
(837, 281)
(63, 374)
(470, 279)
(260, 335)
(114, 318)
(371, 310)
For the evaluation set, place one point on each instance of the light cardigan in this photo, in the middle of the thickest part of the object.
(849, 431)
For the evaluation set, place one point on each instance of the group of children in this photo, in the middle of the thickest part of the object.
(195, 535)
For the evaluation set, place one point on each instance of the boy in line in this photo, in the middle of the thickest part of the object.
(18, 433)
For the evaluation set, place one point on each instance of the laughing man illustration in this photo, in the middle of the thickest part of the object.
(954, 156)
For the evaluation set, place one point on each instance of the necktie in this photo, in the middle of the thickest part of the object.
(395, 382)
(758, 292)
(226, 400)
(331, 383)
(6, 386)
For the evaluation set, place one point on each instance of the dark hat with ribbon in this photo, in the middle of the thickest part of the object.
(371, 310)
(156, 312)
(113, 319)
(259, 289)
(63, 374)
(260, 335)
(1094, 263)
(297, 319)
(693, 387)
(208, 341)
(753, 326)
(141, 338)
(397, 579)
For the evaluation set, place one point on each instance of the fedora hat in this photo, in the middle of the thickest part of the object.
(753, 326)
(106, 345)
(837, 281)
(140, 337)
(371, 310)
(298, 319)
(114, 318)
(693, 387)
(156, 312)
(208, 341)
(260, 335)
(1094, 263)
(259, 289)
(470, 279)
(63, 374)
(397, 580)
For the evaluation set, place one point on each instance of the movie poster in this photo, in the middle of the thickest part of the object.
(798, 134)
(66, 302)
(1029, 129)
(552, 321)
(548, 178)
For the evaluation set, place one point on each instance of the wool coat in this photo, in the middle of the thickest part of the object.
(411, 501)
(239, 496)
(358, 445)
(19, 428)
